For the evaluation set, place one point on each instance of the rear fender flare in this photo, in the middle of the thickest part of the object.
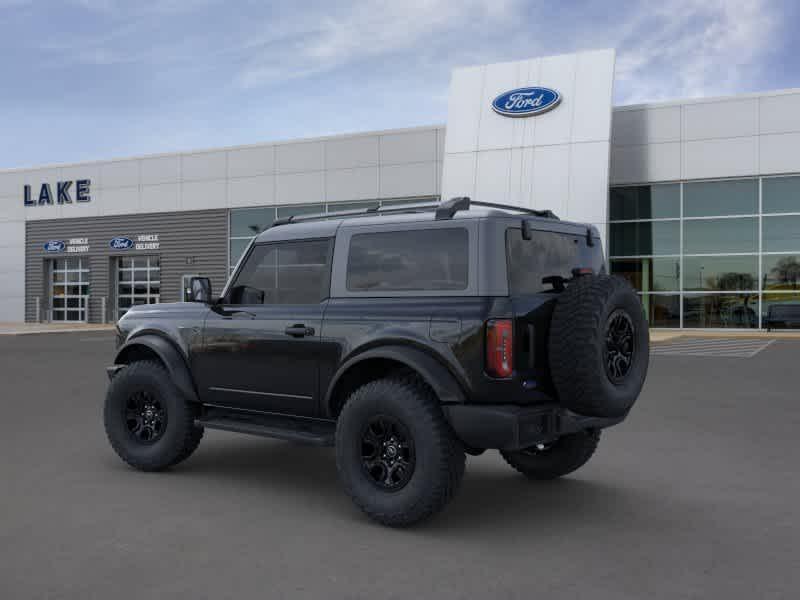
(169, 355)
(432, 371)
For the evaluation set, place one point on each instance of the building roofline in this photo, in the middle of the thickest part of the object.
(706, 100)
(284, 142)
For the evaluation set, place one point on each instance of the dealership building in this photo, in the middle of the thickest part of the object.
(698, 201)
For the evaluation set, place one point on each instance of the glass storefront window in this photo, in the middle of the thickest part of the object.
(720, 236)
(649, 274)
(304, 209)
(781, 234)
(237, 249)
(772, 301)
(247, 222)
(720, 273)
(780, 194)
(645, 202)
(341, 206)
(720, 198)
(645, 239)
(720, 310)
(662, 310)
(780, 272)
(402, 201)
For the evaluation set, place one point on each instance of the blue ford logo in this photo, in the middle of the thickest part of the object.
(121, 243)
(525, 102)
(54, 246)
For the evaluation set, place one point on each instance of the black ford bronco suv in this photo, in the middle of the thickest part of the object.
(405, 337)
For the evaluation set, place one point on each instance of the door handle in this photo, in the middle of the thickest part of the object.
(299, 330)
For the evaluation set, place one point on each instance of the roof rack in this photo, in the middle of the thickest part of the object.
(366, 212)
(450, 207)
(443, 210)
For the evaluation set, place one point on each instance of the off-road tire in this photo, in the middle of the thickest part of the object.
(180, 436)
(578, 346)
(563, 456)
(439, 457)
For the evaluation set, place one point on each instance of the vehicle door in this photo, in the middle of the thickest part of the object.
(261, 342)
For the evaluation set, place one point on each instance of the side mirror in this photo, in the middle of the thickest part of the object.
(200, 289)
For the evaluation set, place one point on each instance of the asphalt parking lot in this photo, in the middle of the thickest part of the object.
(696, 495)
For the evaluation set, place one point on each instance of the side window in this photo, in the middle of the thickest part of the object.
(284, 273)
(416, 260)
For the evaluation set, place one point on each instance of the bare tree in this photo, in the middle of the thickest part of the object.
(787, 271)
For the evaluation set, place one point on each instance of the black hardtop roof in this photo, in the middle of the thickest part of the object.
(324, 225)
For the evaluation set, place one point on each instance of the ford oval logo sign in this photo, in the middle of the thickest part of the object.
(526, 102)
(54, 246)
(121, 243)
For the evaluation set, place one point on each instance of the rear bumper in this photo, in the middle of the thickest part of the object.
(512, 427)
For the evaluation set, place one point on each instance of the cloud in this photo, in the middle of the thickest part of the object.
(366, 30)
(690, 48)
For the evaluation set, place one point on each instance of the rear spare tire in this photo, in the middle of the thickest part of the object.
(599, 346)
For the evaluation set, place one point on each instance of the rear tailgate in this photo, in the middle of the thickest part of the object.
(539, 263)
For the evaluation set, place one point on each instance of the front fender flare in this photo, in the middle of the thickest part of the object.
(169, 354)
(435, 374)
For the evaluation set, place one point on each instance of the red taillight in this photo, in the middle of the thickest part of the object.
(499, 348)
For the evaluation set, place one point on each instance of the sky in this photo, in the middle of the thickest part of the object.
(96, 79)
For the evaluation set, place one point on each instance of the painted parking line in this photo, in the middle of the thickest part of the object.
(711, 347)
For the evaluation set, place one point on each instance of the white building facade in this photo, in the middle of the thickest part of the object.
(698, 200)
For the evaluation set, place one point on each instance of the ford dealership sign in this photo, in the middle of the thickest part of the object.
(54, 246)
(526, 102)
(121, 243)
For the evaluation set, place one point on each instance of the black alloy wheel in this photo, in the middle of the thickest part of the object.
(145, 417)
(620, 345)
(387, 453)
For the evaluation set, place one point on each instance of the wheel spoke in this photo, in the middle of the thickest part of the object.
(620, 345)
(145, 417)
(387, 453)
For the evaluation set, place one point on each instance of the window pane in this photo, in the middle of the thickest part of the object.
(781, 272)
(643, 239)
(339, 206)
(308, 209)
(428, 259)
(546, 254)
(237, 249)
(720, 310)
(286, 273)
(251, 221)
(719, 198)
(401, 201)
(735, 273)
(774, 307)
(650, 274)
(662, 311)
(720, 236)
(645, 202)
(780, 194)
(781, 234)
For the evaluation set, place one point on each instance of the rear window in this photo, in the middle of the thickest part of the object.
(418, 260)
(546, 254)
